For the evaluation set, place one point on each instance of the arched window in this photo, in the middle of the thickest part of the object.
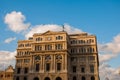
(36, 78)
(37, 57)
(47, 57)
(83, 78)
(58, 78)
(74, 78)
(58, 57)
(47, 78)
(92, 78)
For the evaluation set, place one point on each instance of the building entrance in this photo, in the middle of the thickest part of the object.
(58, 78)
(47, 78)
(36, 78)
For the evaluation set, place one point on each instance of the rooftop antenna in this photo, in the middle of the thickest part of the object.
(63, 27)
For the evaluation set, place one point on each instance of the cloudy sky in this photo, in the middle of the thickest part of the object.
(20, 19)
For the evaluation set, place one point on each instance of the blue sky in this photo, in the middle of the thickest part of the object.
(99, 17)
(95, 16)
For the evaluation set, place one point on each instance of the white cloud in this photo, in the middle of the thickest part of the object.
(52, 27)
(7, 58)
(8, 40)
(107, 72)
(15, 21)
(107, 52)
(113, 46)
(106, 57)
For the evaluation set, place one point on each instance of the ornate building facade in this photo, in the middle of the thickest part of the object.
(8, 74)
(57, 56)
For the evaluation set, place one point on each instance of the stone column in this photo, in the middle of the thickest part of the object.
(63, 62)
(33, 63)
(31, 60)
(66, 62)
(41, 68)
(43, 63)
(54, 63)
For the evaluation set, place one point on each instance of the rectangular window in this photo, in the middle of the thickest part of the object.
(74, 50)
(58, 66)
(18, 70)
(59, 37)
(73, 59)
(82, 69)
(47, 66)
(58, 46)
(91, 58)
(38, 47)
(25, 78)
(82, 58)
(74, 69)
(19, 61)
(26, 60)
(48, 47)
(37, 67)
(92, 68)
(26, 70)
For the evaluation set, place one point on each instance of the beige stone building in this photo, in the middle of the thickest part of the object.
(8, 74)
(57, 56)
